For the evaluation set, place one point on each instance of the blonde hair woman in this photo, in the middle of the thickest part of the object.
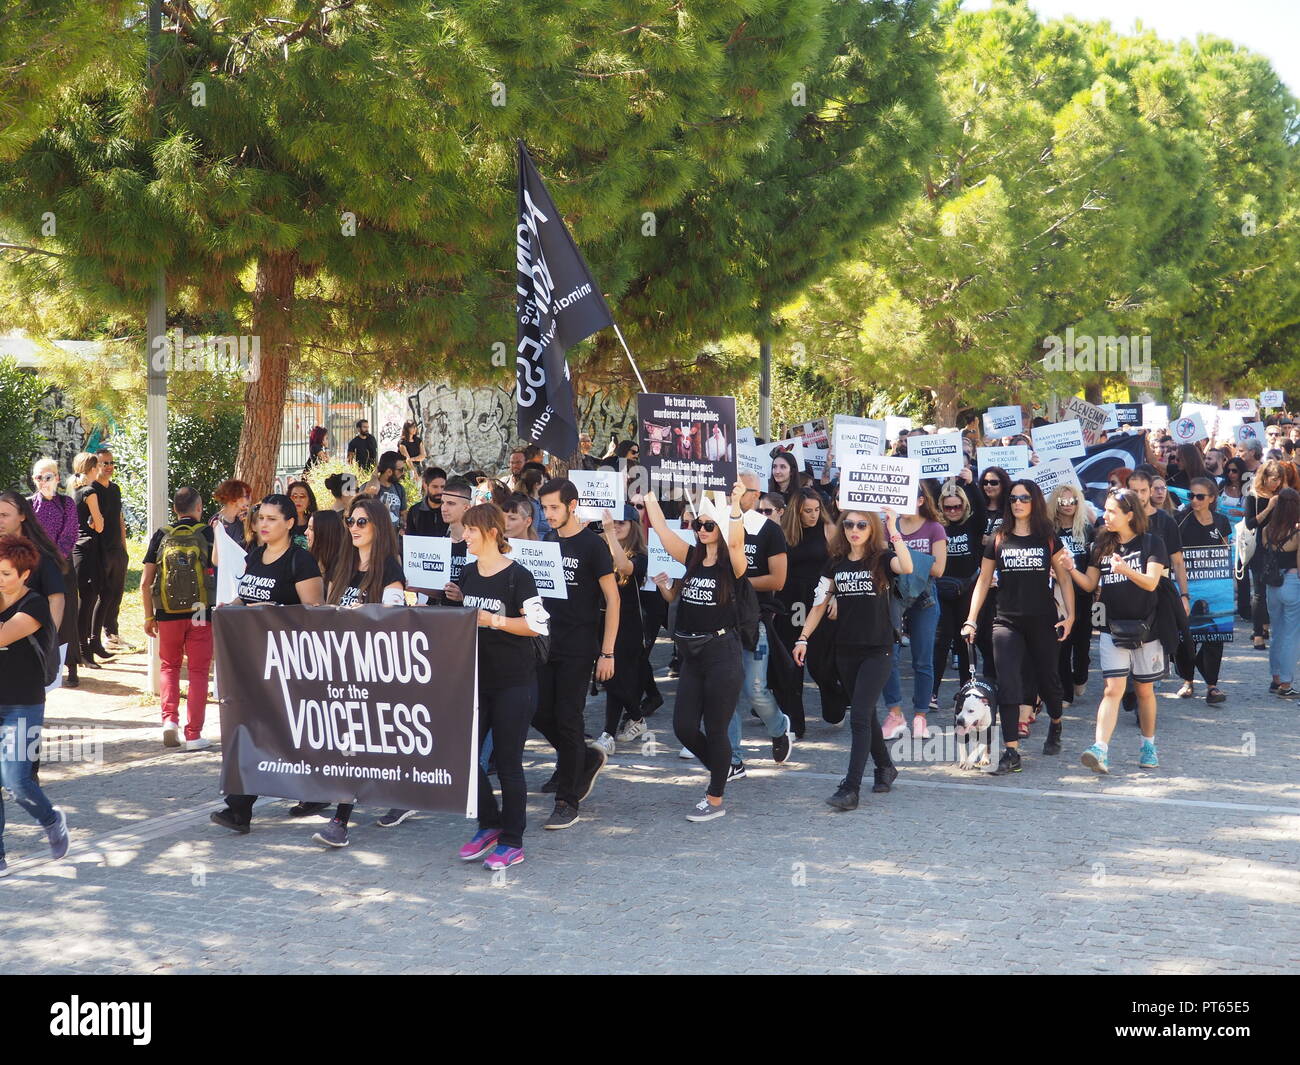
(1075, 523)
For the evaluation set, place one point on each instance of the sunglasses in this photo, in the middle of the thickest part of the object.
(1068, 502)
(861, 526)
(1018, 498)
(704, 526)
(359, 523)
(953, 508)
(1200, 495)
(45, 477)
(990, 484)
(768, 511)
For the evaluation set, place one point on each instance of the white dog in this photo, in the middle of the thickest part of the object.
(974, 724)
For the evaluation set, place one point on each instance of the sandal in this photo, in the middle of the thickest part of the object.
(1259, 643)
(1186, 691)
(1214, 695)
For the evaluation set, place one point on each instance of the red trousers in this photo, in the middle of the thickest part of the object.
(179, 640)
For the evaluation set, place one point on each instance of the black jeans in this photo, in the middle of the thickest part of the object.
(948, 638)
(90, 580)
(1258, 597)
(507, 712)
(1074, 656)
(561, 701)
(1024, 648)
(984, 635)
(864, 671)
(623, 690)
(1208, 658)
(242, 807)
(707, 689)
(110, 598)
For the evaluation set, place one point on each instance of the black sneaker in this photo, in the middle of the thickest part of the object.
(845, 798)
(394, 817)
(1288, 692)
(1008, 763)
(563, 816)
(549, 787)
(884, 779)
(781, 747)
(596, 759)
(736, 772)
(302, 809)
(1052, 745)
(226, 819)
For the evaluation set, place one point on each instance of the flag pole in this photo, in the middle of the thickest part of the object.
(640, 380)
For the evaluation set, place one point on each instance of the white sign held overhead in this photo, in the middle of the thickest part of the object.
(1272, 398)
(1013, 459)
(1155, 416)
(1051, 473)
(1242, 405)
(939, 454)
(1188, 429)
(1059, 440)
(859, 437)
(542, 558)
(1091, 418)
(746, 436)
(658, 560)
(895, 424)
(873, 484)
(598, 491)
(1003, 421)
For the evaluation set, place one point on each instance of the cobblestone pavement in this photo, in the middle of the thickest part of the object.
(1188, 869)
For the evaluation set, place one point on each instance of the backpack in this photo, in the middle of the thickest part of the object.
(185, 578)
(45, 642)
(541, 644)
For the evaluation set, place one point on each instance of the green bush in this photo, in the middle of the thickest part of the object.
(20, 398)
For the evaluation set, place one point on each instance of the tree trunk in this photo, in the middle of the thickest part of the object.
(945, 404)
(264, 397)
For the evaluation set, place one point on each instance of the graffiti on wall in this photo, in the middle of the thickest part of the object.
(62, 434)
(474, 428)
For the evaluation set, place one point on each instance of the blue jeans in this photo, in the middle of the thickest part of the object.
(922, 622)
(19, 733)
(755, 686)
(1284, 617)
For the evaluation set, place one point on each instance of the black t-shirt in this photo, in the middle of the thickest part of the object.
(575, 621)
(1024, 569)
(151, 555)
(965, 547)
(85, 532)
(1079, 546)
(1162, 524)
(630, 628)
(364, 450)
(1192, 533)
(992, 523)
(393, 496)
(392, 575)
(277, 581)
(701, 608)
(110, 505)
(806, 559)
(504, 659)
(459, 549)
(47, 578)
(862, 609)
(760, 547)
(22, 678)
(424, 520)
(1122, 598)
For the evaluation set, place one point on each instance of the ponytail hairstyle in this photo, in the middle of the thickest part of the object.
(1127, 501)
(490, 520)
(83, 471)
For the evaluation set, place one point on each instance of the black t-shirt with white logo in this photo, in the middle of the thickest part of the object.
(862, 609)
(575, 622)
(504, 660)
(760, 548)
(1080, 547)
(276, 582)
(701, 608)
(1024, 570)
(392, 575)
(1122, 598)
(965, 548)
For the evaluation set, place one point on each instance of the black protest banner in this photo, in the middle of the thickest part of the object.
(688, 441)
(376, 704)
(557, 304)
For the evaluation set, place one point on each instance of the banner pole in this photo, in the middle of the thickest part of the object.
(619, 333)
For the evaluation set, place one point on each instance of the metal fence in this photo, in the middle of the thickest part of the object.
(338, 409)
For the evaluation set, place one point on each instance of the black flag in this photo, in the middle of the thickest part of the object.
(557, 304)
(1096, 465)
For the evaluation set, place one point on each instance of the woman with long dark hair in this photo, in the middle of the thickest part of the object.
(1202, 526)
(1126, 564)
(858, 580)
(304, 501)
(964, 524)
(623, 718)
(1190, 466)
(1260, 503)
(280, 573)
(708, 638)
(411, 447)
(1025, 554)
(86, 557)
(994, 486)
(50, 578)
(327, 537)
(809, 533)
(785, 476)
(367, 569)
(1277, 552)
(317, 441)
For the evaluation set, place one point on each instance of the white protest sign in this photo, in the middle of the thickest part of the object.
(1249, 431)
(895, 424)
(659, 560)
(1111, 424)
(1242, 405)
(598, 491)
(754, 458)
(426, 562)
(1155, 416)
(746, 436)
(1003, 421)
(1188, 429)
(542, 558)
(939, 454)
(792, 447)
(816, 445)
(857, 437)
(1209, 416)
(230, 564)
(1272, 398)
(1059, 440)
(1013, 459)
(873, 483)
(1226, 429)
(1051, 474)
(1092, 418)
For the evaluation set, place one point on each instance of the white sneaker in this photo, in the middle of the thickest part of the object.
(198, 745)
(631, 730)
(685, 753)
(170, 738)
(603, 742)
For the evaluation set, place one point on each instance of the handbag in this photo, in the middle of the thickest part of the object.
(949, 588)
(1270, 569)
(1130, 634)
(1246, 541)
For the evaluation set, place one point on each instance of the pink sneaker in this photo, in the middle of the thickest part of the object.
(893, 725)
(920, 729)
(484, 840)
(502, 857)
